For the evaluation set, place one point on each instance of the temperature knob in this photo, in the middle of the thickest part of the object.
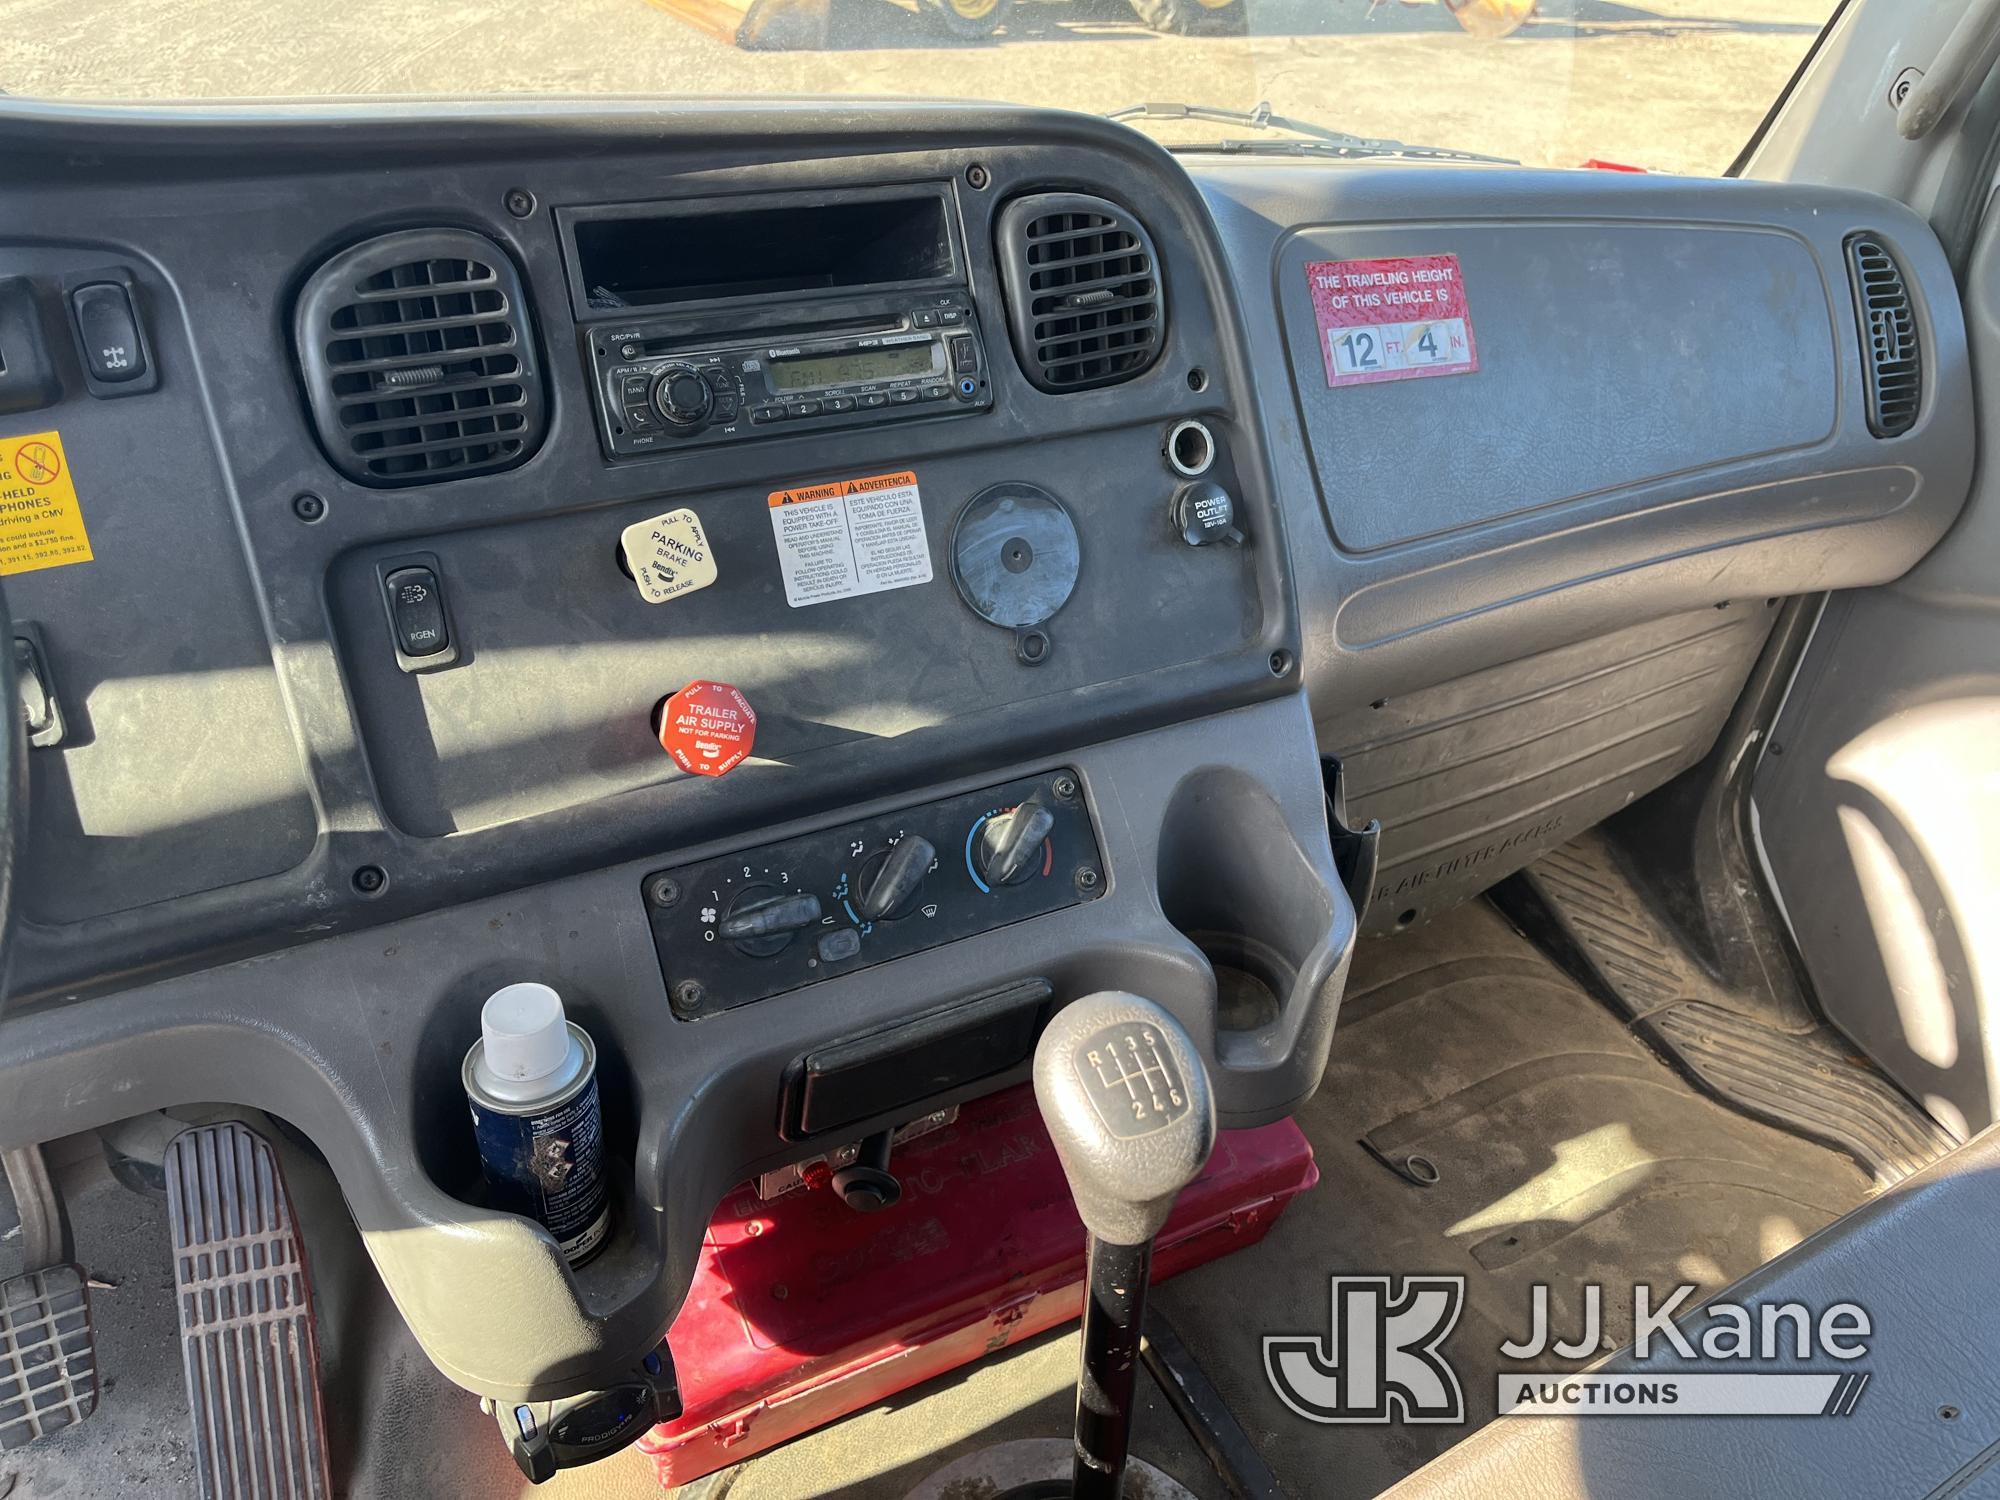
(682, 396)
(1010, 846)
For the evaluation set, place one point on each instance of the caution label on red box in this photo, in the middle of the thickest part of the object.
(1392, 319)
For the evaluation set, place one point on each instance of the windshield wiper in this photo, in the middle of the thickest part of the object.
(1320, 139)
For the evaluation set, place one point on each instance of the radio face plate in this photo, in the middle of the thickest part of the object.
(662, 386)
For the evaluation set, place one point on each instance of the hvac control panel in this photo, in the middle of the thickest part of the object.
(751, 925)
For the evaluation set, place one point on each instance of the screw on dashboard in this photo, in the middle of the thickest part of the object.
(371, 880)
(1087, 879)
(1064, 787)
(520, 202)
(308, 508)
(663, 891)
(690, 995)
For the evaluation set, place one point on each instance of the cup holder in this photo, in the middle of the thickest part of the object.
(1251, 980)
(1234, 879)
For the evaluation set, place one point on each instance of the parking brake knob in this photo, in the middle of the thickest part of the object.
(1126, 1100)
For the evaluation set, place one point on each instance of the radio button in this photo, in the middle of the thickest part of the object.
(641, 419)
(682, 396)
(904, 397)
(767, 413)
(838, 403)
(633, 389)
(951, 317)
(802, 409)
(935, 393)
(874, 399)
(925, 317)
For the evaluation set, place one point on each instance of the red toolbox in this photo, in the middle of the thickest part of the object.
(803, 1310)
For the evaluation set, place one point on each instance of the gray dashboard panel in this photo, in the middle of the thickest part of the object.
(1609, 337)
(1730, 475)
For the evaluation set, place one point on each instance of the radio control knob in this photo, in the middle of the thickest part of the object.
(682, 396)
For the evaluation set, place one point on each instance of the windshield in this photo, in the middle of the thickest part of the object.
(1669, 85)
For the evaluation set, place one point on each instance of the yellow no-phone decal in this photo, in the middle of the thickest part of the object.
(41, 525)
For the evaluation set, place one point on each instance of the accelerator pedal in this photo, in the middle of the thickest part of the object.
(248, 1342)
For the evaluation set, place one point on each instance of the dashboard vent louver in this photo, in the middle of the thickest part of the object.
(1084, 300)
(419, 359)
(1891, 358)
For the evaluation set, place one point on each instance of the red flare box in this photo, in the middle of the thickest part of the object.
(803, 1311)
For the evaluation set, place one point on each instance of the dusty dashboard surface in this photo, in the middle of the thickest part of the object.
(823, 589)
(503, 558)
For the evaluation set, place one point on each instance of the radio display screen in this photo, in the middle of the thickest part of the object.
(851, 367)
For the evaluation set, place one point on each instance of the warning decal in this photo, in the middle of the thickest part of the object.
(849, 537)
(41, 525)
(1392, 319)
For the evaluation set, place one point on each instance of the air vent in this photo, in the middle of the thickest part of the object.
(1891, 360)
(1084, 301)
(419, 359)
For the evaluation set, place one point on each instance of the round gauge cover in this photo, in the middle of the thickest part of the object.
(1014, 555)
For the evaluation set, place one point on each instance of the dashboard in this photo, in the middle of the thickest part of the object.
(823, 588)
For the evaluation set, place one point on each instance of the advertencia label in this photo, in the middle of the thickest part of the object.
(1392, 319)
(41, 524)
(850, 536)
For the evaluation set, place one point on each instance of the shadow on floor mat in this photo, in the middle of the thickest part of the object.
(1557, 1150)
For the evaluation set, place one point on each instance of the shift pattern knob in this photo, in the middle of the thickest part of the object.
(1126, 1100)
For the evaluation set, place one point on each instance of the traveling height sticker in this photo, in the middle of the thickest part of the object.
(1392, 319)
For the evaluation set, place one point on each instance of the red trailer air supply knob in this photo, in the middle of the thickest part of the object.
(708, 728)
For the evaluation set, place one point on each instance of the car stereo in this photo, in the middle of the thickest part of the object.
(836, 366)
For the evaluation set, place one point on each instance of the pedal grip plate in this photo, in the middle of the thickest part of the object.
(48, 1361)
(249, 1345)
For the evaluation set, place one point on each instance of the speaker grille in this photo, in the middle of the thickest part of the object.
(1891, 358)
(1084, 300)
(419, 359)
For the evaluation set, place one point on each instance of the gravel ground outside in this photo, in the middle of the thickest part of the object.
(1673, 85)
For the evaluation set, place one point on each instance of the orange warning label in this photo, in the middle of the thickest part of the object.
(849, 537)
(837, 489)
(41, 524)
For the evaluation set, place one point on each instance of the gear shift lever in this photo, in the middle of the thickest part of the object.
(1126, 1100)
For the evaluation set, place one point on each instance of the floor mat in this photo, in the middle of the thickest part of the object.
(1556, 1149)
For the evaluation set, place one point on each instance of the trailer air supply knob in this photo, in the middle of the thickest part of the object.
(682, 396)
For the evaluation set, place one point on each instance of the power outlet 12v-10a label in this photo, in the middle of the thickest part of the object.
(849, 537)
(1392, 319)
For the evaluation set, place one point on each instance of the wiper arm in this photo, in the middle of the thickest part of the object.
(1320, 139)
(1339, 150)
(1260, 118)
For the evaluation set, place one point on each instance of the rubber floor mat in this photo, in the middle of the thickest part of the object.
(1483, 1116)
(1809, 1080)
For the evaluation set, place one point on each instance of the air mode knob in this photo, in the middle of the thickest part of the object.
(682, 396)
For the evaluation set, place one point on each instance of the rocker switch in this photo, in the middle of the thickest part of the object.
(417, 610)
(110, 332)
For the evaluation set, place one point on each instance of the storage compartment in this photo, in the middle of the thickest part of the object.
(803, 1311)
(661, 255)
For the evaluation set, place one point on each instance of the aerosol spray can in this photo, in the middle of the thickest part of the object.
(532, 1082)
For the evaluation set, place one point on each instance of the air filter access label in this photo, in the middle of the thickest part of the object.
(1392, 319)
(849, 537)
